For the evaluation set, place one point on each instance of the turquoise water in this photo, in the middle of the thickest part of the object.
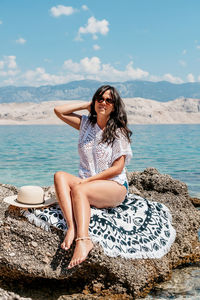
(32, 154)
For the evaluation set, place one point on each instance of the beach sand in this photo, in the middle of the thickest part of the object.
(139, 111)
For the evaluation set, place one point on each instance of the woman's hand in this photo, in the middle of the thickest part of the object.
(85, 180)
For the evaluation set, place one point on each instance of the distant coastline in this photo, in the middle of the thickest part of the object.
(139, 110)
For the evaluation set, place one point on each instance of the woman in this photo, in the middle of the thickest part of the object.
(104, 148)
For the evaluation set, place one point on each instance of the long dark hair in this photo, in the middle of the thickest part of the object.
(118, 117)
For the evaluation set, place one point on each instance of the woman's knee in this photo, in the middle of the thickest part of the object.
(77, 190)
(59, 176)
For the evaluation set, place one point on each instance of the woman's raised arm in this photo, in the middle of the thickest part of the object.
(66, 113)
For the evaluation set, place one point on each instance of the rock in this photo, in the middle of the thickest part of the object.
(38, 255)
(195, 201)
(34, 244)
(151, 180)
(184, 283)
(5, 190)
(4, 295)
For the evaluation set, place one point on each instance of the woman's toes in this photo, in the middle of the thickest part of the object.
(63, 246)
(71, 264)
(66, 244)
(81, 252)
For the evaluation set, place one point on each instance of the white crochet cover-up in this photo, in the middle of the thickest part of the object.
(96, 157)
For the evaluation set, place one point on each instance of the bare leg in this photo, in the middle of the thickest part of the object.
(63, 184)
(99, 193)
(81, 208)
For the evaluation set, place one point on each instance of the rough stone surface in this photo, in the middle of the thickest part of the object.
(29, 254)
(184, 284)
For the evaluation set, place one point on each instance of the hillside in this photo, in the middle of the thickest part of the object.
(162, 91)
(140, 111)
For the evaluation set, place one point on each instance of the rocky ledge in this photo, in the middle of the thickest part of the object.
(30, 256)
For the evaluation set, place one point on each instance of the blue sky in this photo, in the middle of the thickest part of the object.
(54, 42)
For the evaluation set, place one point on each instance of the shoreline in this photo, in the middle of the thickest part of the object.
(63, 124)
(139, 111)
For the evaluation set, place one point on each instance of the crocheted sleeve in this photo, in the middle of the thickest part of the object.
(121, 146)
(84, 121)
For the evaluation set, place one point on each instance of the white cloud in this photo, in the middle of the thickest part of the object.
(1, 22)
(198, 47)
(12, 75)
(94, 27)
(39, 77)
(135, 73)
(190, 77)
(11, 61)
(21, 41)
(155, 78)
(3, 73)
(9, 73)
(8, 69)
(9, 81)
(57, 11)
(172, 79)
(8, 62)
(84, 7)
(1, 64)
(166, 77)
(86, 65)
(184, 51)
(96, 47)
(182, 63)
(12, 72)
(92, 68)
(86, 68)
(71, 66)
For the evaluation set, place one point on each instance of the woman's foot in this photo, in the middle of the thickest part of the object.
(70, 235)
(83, 247)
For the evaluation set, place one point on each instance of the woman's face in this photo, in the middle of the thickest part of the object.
(105, 105)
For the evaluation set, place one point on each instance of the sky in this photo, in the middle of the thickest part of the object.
(47, 42)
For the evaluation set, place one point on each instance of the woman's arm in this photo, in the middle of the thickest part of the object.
(66, 113)
(113, 171)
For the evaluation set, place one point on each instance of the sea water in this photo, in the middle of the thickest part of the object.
(32, 154)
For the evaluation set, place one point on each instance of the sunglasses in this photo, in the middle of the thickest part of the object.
(108, 100)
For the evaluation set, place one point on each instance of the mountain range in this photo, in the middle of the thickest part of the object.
(162, 91)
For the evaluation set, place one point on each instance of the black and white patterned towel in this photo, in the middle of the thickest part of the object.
(137, 228)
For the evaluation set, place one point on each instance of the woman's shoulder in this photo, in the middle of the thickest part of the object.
(84, 119)
(121, 134)
(84, 122)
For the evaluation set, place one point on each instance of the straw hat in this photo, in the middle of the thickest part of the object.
(30, 197)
